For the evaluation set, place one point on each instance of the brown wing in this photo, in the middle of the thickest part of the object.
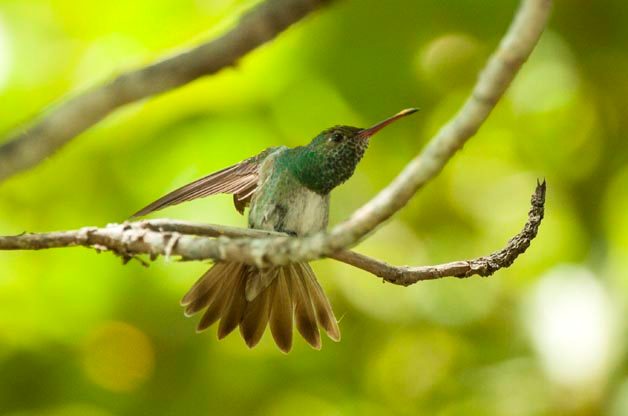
(239, 180)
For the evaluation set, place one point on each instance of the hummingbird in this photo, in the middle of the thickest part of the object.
(288, 191)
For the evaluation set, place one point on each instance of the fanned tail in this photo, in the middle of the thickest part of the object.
(281, 296)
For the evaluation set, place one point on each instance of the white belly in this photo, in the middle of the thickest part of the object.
(293, 209)
(307, 213)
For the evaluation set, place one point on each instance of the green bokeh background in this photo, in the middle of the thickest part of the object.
(81, 334)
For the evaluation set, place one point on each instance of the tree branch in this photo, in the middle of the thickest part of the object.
(54, 129)
(187, 240)
(514, 50)
(129, 240)
(482, 266)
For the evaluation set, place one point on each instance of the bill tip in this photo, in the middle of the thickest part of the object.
(408, 111)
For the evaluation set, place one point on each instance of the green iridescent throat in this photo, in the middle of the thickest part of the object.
(325, 163)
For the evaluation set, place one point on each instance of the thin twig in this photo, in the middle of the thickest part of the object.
(187, 240)
(482, 266)
(54, 129)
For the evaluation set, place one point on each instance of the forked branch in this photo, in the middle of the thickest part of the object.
(261, 25)
(514, 50)
(189, 242)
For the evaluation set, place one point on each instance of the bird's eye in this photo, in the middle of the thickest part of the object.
(336, 137)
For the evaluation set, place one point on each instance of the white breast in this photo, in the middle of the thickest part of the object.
(307, 212)
(282, 203)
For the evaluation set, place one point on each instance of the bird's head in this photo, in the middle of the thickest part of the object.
(332, 156)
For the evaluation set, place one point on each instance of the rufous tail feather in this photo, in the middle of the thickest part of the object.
(284, 296)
